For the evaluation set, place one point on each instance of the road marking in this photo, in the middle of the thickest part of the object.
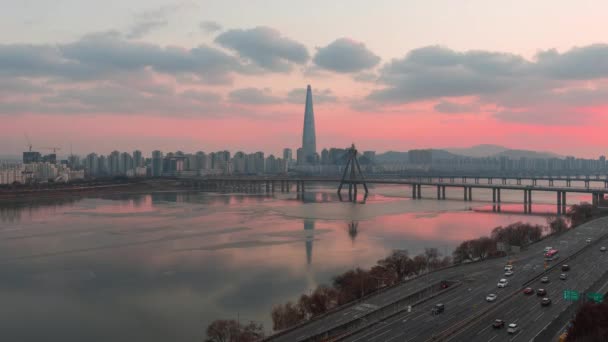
(537, 317)
(482, 330)
(517, 335)
(495, 336)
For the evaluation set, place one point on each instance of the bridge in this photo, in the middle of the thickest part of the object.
(527, 186)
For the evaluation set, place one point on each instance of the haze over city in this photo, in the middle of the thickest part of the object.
(396, 75)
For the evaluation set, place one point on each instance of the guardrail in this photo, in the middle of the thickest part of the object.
(455, 328)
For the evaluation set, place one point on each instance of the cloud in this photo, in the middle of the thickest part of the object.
(152, 19)
(579, 63)
(209, 26)
(104, 55)
(345, 56)
(432, 72)
(298, 96)
(253, 96)
(144, 27)
(453, 107)
(265, 47)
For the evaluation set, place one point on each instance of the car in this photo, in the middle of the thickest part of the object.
(565, 268)
(502, 283)
(508, 267)
(547, 249)
(498, 323)
(541, 292)
(588, 240)
(437, 309)
(528, 291)
(544, 280)
(491, 297)
(508, 273)
(512, 329)
(545, 301)
(563, 276)
(602, 249)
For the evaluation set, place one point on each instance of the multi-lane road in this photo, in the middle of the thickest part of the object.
(467, 302)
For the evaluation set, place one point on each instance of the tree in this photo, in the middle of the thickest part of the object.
(286, 315)
(462, 252)
(557, 224)
(419, 263)
(590, 323)
(319, 302)
(398, 262)
(432, 257)
(580, 213)
(231, 331)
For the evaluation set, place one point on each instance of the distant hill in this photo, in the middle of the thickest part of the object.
(488, 150)
(403, 157)
(517, 154)
(478, 151)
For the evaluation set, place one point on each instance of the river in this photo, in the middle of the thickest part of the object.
(162, 266)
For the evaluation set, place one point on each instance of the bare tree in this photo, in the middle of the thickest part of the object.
(286, 315)
(557, 224)
(222, 330)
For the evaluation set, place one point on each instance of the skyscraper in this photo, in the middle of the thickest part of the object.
(309, 140)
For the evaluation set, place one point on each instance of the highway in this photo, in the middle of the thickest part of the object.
(526, 311)
(480, 279)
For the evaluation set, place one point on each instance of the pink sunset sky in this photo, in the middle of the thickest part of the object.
(387, 75)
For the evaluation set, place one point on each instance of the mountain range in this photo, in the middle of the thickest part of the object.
(477, 151)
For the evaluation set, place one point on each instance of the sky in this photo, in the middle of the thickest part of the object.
(87, 75)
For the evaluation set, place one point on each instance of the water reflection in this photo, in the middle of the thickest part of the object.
(353, 230)
(309, 227)
(173, 262)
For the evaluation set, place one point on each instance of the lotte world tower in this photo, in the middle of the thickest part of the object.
(309, 139)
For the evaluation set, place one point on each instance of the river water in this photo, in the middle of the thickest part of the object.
(162, 266)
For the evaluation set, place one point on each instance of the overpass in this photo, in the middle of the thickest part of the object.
(270, 184)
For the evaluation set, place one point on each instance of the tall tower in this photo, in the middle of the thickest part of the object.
(309, 139)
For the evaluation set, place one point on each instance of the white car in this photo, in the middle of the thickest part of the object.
(491, 297)
(508, 273)
(548, 249)
(588, 240)
(512, 329)
(509, 267)
(602, 249)
(502, 283)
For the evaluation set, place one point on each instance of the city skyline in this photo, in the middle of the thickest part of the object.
(154, 74)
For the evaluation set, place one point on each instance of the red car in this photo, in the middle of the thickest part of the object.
(528, 291)
(499, 323)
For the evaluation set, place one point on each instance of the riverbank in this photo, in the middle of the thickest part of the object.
(75, 191)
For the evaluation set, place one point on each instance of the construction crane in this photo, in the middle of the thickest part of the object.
(29, 143)
(55, 149)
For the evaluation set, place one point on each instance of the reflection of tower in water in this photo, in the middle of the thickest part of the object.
(309, 227)
(353, 230)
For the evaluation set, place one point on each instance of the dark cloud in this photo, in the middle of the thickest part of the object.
(580, 63)
(209, 26)
(253, 96)
(345, 56)
(434, 71)
(453, 107)
(104, 55)
(265, 47)
(298, 96)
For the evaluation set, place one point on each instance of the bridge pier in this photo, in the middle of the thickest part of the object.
(476, 180)
(419, 191)
(518, 181)
(302, 187)
(438, 192)
(587, 183)
(470, 193)
(489, 180)
(288, 187)
(452, 181)
(414, 191)
(550, 182)
(504, 181)
(297, 186)
(443, 192)
(466, 194)
(568, 182)
(493, 195)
